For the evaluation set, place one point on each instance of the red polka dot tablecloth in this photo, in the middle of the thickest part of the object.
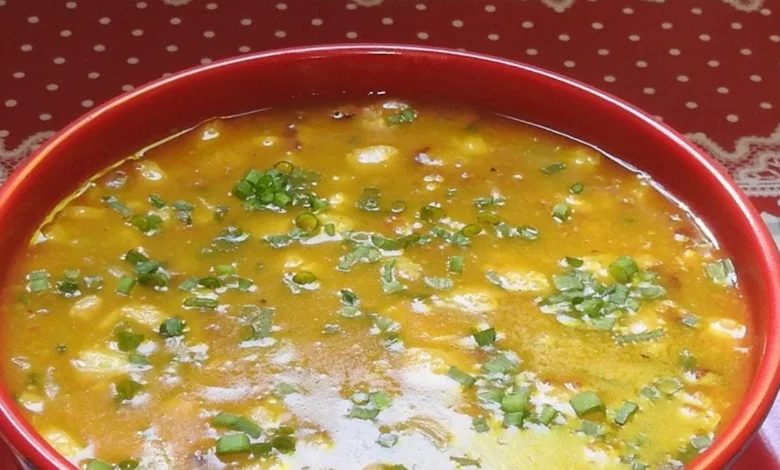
(709, 68)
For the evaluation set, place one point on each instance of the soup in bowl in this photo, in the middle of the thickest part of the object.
(417, 272)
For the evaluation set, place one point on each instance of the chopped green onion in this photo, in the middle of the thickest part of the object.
(387, 439)
(279, 241)
(690, 320)
(388, 280)
(128, 341)
(183, 206)
(172, 327)
(97, 464)
(438, 283)
(183, 211)
(388, 244)
(397, 207)
(210, 282)
(153, 279)
(38, 281)
(127, 389)
(455, 265)
(200, 302)
(515, 402)
(488, 218)
(577, 188)
(284, 166)
(135, 257)
(361, 412)
(466, 462)
(308, 222)
(114, 203)
(485, 337)
(237, 423)
(514, 419)
(649, 335)
(146, 223)
(687, 360)
(574, 262)
(490, 395)
(379, 399)
(482, 202)
(722, 272)
(650, 291)
(471, 230)
(233, 444)
(561, 212)
(500, 365)
(318, 205)
(330, 229)
(527, 232)
(461, 377)
(243, 190)
(626, 410)
(669, 386)
(369, 200)
(304, 277)
(284, 389)
(189, 284)
(404, 116)
(71, 274)
(224, 270)
(349, 298)
(68, 287)
(650, 392)
(567, 282)
(547, 414)
(623, 269)
(480, 424)
(145, 267)
(157, 201)
(701, 443)
(361, 254)
(220, 212)
(554, 168)
(432, 213)
(591, 429)
(125, 285)
(138, 359)
(128, 464)
(585, 403)
(284, 444)
(245, 285)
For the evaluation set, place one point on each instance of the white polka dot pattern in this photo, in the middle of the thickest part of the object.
(704, 66)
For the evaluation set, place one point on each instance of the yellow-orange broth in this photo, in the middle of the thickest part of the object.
(374, 286)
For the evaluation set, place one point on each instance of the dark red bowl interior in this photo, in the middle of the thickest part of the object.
(248, 83)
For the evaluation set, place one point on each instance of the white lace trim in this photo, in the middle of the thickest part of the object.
(746, 5)
(28, 145)
(754, 163)
(22, 150)
(562, 5)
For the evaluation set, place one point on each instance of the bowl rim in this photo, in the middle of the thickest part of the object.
(759, 397)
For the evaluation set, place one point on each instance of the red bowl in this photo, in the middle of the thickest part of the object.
(251, 82)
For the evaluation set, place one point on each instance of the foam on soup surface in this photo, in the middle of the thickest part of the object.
(374, 286)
